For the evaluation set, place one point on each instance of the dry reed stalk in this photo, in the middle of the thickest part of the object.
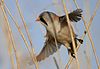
(87, 56)
(25, 26)
(55, 37)
(23, 21)
(19, 30)
(8, 40)
(29, 38)
(11, 56)
(69, 25)
(9, 43)
(10, 35)
(88, 61)
(87, 50)
(88, 26)
(88, 32)
(28, 33)
(87, 7)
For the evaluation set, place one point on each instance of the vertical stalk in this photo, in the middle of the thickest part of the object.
(69, 25)
(10, 35)
(22, 35)
(26, 29)
(89, 35)
(84, 34)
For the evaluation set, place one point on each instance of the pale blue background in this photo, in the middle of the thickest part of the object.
(31, 9)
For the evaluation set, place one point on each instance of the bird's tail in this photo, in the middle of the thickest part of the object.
(76, 15)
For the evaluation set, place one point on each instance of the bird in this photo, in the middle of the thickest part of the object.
(57, 27)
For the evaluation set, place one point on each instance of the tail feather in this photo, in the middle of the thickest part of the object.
(75, 15)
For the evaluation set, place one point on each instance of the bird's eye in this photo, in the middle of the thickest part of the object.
(43, 21)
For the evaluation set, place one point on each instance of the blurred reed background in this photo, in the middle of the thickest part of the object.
(22, 37)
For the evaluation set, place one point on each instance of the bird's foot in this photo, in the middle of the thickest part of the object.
(80, 40)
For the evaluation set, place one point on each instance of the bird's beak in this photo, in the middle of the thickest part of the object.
(38, 19)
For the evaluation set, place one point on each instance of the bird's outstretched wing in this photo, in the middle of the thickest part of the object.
(48, 49)
(74, 16)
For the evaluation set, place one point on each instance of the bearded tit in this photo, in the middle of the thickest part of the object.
(63, 36)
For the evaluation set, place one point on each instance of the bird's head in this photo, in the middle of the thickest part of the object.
(46, 18)
(50, 21)
(43, 19)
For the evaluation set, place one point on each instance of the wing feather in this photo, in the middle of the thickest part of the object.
(48, 49)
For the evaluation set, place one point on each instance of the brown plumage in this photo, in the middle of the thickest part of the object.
(50, 20)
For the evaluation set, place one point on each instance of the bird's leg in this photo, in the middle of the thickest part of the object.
(70, 49)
